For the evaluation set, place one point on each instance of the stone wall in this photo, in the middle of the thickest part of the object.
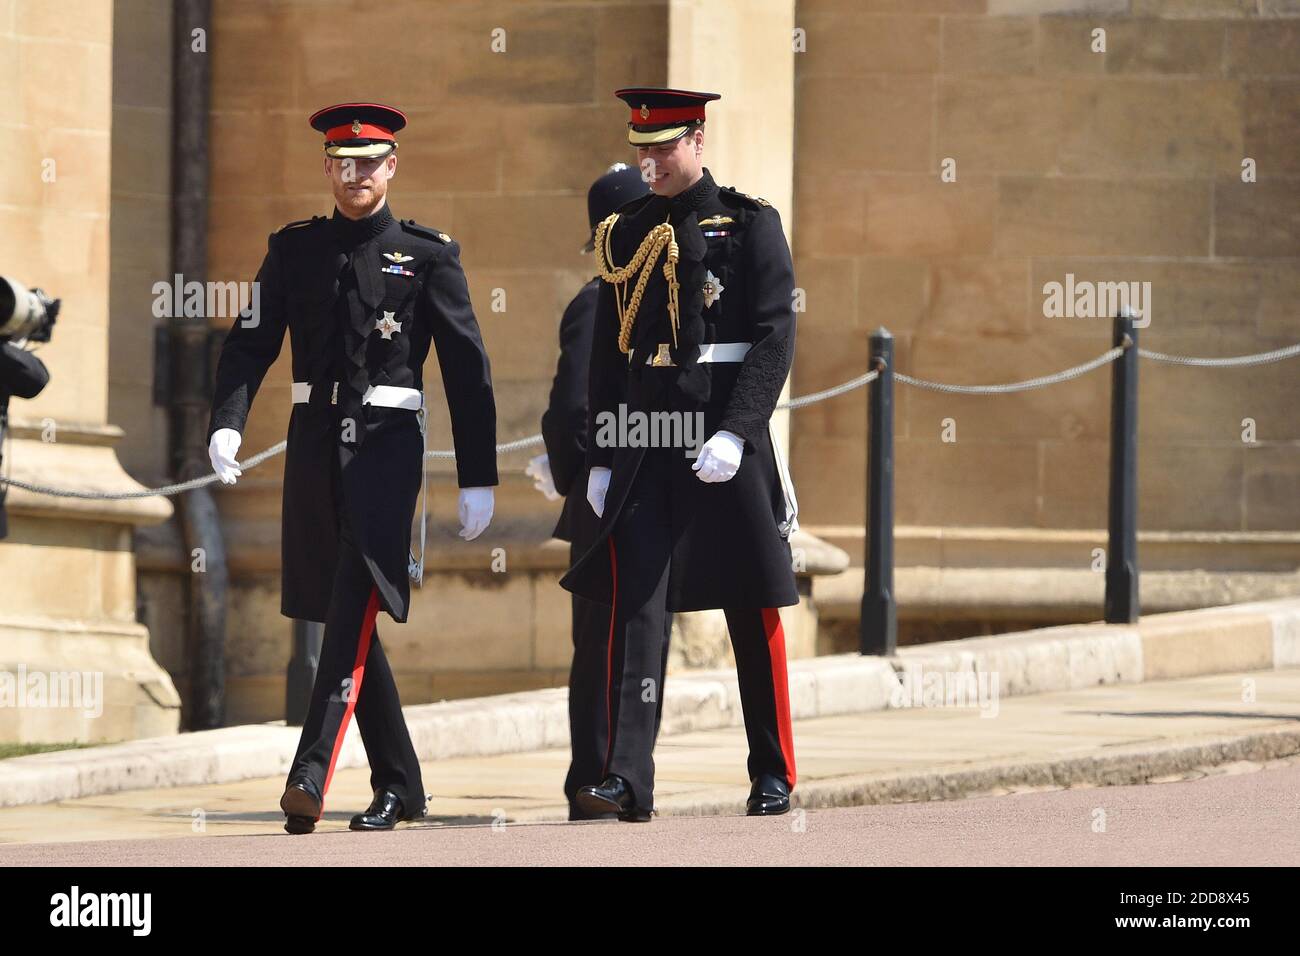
(1115, 166)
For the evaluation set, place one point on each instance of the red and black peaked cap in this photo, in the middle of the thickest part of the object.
(661, 115)
(358, 130)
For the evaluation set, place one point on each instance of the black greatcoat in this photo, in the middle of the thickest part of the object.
(325, 281)
(730, 539)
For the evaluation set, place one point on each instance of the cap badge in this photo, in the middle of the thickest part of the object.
(356, 126)
(645, 112)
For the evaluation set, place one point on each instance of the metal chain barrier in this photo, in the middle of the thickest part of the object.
(800, 402)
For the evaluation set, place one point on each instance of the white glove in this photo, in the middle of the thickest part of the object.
(719, 458)
(539, 468)
(222, 450)
(475, 511)
(597, 488)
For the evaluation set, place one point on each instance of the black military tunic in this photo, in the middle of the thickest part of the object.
(328, 281)
(731, 538)
(362, 300)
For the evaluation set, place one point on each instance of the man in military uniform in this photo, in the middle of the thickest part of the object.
(363, 296)
(561, 471)
(694, 317)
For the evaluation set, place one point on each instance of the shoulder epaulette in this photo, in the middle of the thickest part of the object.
(300, 223)
(755, 202)
(410, 225)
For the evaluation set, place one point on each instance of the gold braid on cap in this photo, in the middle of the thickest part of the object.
(654, 242)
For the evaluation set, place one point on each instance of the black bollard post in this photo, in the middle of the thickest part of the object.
(878, 623)
(1121, 605)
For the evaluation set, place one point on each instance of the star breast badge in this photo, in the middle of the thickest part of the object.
(712, 289)
(386, 326)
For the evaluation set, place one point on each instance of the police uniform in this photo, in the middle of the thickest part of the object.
(363, 300)
(711, 331)
(564, 430)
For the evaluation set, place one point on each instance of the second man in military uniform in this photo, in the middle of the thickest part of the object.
(694, 317)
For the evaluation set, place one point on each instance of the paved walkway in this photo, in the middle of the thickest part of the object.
(1230, 819)
(1116, 734)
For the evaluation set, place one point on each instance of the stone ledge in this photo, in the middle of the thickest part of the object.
(81, 458)
(1042, 594)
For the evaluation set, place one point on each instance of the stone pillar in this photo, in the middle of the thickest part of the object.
(67, 570)
(745, 52)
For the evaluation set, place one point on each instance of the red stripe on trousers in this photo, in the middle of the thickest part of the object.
(358, 672)
(780, 688)
(609, 659)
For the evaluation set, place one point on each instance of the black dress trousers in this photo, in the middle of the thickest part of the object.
(353, 674)
(640, 551)
(589, 678)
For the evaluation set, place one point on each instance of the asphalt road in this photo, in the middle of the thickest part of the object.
(1246, 818)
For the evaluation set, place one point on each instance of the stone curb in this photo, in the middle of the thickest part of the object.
(1112, 767)
(1257, 636)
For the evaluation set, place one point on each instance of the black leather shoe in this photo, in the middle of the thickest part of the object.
(384, 813)
(576, 813)
(769, 796)
(301, 804)
(612, 796)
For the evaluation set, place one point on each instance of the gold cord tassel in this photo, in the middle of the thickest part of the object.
(641, 264)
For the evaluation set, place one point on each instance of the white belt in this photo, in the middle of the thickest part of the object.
(390, 396)
(724, 351)
(712, 352)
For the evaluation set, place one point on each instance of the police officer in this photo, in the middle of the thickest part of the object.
(363, 296)
(561, 472)
(694, 317)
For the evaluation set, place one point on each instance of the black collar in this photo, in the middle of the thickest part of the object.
(353, 232)
(677, 208)
(693, 197)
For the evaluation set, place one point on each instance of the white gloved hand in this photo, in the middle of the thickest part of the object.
(719, 458)
(222, 450)
(539, 468)
(476, 506)
(597, 488)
